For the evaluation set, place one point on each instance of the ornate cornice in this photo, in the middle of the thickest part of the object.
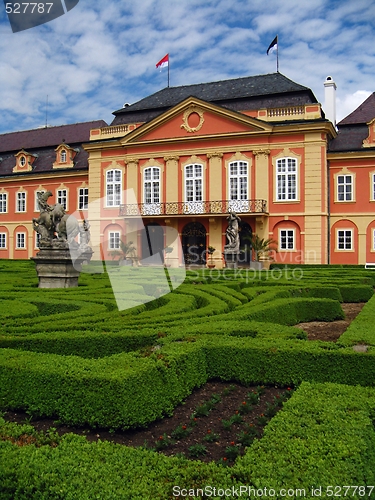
(261, 152)
(215, 154)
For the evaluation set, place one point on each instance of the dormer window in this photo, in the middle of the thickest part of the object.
(65, 156)
(24, 161)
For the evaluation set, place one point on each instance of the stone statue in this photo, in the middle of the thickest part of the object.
(53, 224)
(60, 258)
(232, 233)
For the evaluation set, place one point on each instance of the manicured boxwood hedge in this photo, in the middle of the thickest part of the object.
(72, 355)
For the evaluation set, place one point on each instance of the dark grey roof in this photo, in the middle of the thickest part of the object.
(43, 142)
(48, 136)
(238, 88)
(349, 138)
(363, 114)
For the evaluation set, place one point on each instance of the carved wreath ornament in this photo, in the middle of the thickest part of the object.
(185, 119)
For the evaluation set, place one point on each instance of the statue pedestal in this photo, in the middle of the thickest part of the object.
(55, 267)
(231, 258)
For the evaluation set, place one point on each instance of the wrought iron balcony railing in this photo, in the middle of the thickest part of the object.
(194, 208)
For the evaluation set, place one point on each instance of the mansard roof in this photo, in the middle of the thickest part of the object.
(239, 94)
(48, 136)
(363, 114)
(43, 142)
(353, 129)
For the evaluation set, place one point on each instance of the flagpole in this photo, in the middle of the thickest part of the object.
(169, 63)
(277, 55)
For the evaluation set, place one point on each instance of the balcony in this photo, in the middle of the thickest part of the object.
(221, 207)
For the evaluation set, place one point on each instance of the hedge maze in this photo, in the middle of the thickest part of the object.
(71, 355)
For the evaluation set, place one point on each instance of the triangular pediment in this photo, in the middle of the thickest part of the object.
(195, 118)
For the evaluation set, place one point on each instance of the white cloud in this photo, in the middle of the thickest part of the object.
(102, 54)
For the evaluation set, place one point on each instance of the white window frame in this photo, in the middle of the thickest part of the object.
(286, 179)
(193, 188)
(114, 238)
(83, 198)
(3, 241)
(21, 241)
(63, 156)
(287, 240)
(344, 194)
(151, 185)
(238, 186)
(21, 201)
(3, 203)
(372, 187)
(62, 197)
(151, 191)
(344, 242)
(23, 161)
(113, 188)
(373, 239)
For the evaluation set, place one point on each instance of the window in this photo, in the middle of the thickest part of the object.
(345, 239)
(37, 208)
(286, 179)
(344, 188)
(63, 156)
(373, 187)
(22, 161)
(114, 240)
(194, 189)
(83, 199)
(3, 202)
(37, 240)
(193, 182)
(113, 188)
(152, 185)
(62, 197)
(3, 240)
(20, 240)
(21, 202)
(238, 180)
(286, 239)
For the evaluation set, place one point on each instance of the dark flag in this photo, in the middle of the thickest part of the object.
(273, 45)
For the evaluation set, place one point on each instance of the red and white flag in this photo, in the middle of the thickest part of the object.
(163, 63)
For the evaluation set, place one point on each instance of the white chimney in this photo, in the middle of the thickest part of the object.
(330, 99)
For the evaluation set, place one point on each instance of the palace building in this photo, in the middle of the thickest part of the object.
(260, 146)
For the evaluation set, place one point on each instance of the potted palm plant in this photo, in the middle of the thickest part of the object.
(210, 251)
(126, 254)
(262, 249)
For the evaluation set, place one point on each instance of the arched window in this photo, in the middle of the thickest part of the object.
(113, 188)
(63, 156)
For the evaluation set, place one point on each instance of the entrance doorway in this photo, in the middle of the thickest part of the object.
(152, 241)
(245, 243)
(194, 243)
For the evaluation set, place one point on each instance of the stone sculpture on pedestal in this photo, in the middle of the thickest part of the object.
(59, 261)
(232, 248)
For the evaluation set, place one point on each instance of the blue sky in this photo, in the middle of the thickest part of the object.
(102, 53)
